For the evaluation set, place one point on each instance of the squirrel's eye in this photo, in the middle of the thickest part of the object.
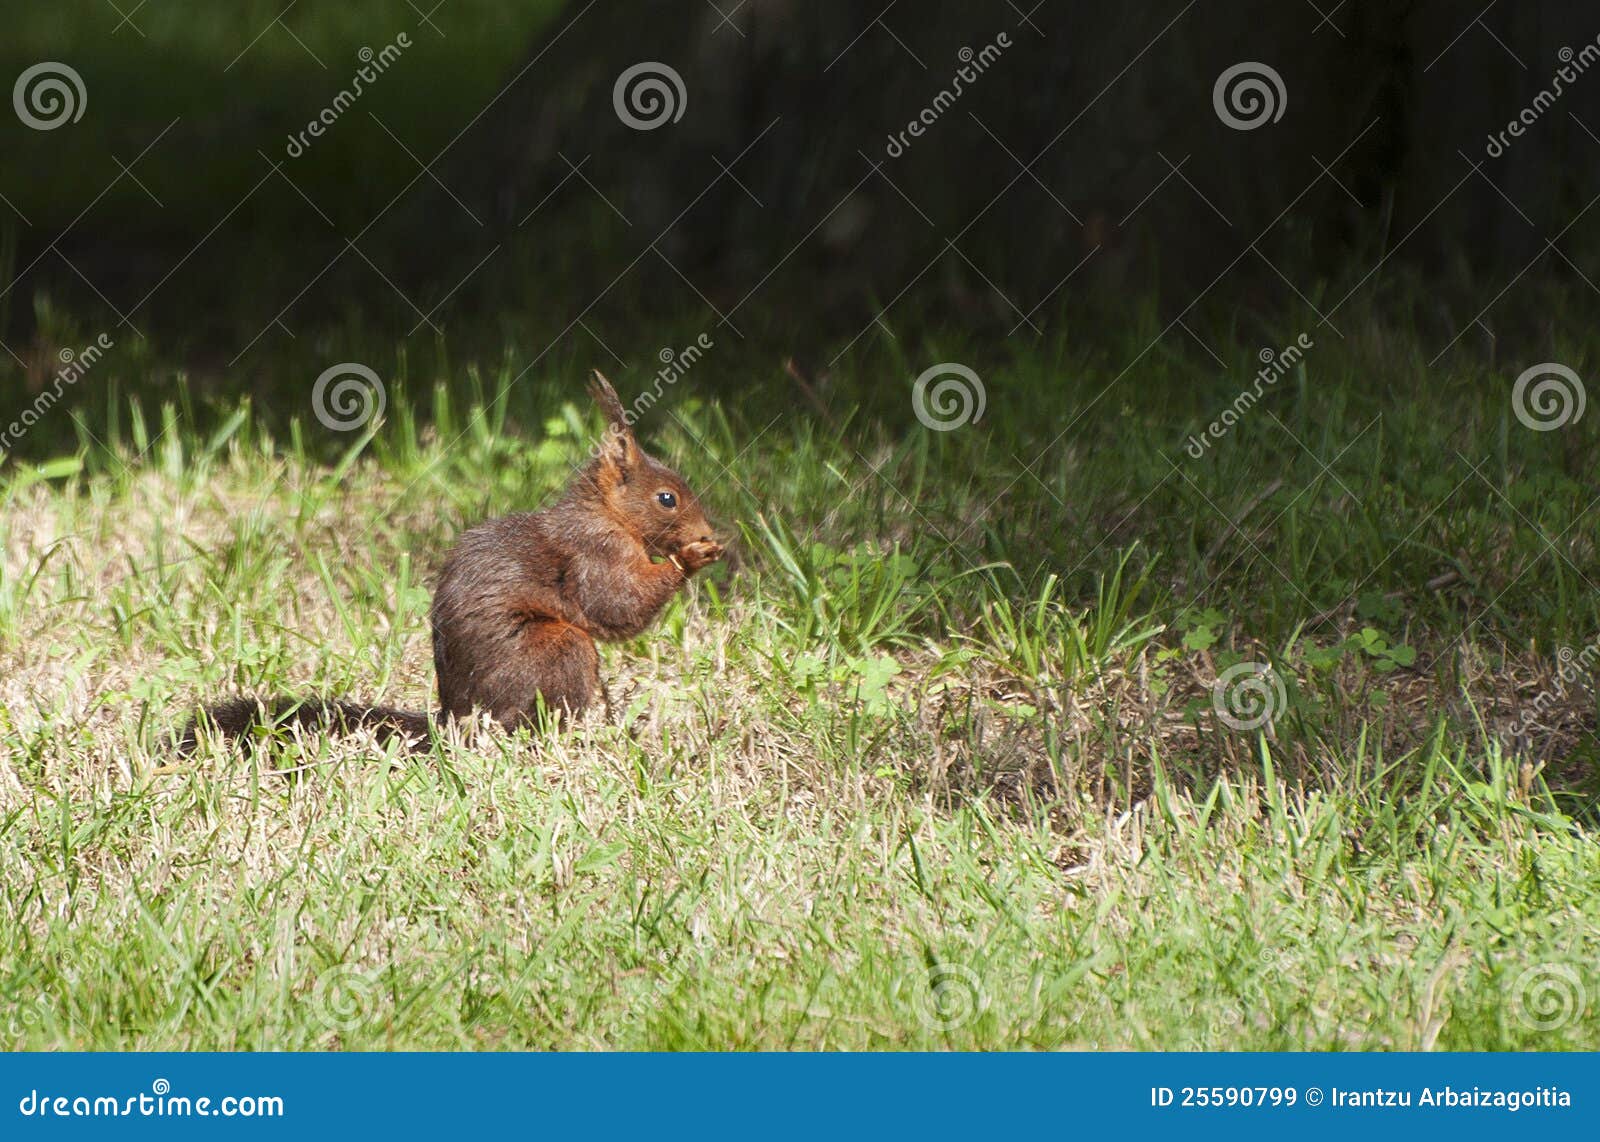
(667, 500)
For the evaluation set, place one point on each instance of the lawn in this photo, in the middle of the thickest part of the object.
(1049, 730)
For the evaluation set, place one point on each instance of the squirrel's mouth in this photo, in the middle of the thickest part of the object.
(671, 541)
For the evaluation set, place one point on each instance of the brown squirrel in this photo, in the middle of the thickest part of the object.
(522, 599)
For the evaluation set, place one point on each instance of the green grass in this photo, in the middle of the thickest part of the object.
(933, 761)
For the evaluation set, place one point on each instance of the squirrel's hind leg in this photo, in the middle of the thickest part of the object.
(553, 661)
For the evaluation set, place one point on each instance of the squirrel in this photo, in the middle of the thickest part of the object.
(522, 599)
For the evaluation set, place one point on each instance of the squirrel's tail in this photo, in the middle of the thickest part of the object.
(239, 718)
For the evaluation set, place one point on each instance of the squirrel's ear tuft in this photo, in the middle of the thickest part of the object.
(606, 397)
(618, 449)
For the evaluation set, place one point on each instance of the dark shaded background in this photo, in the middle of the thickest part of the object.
(484, 198)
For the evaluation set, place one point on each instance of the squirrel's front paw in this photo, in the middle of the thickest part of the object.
(693, 556)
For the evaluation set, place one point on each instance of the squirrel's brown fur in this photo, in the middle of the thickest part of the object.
(522, 599)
